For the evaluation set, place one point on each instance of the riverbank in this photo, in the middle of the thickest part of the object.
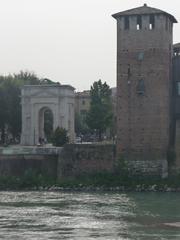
(96, 182)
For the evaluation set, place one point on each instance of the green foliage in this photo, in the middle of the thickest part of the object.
(101, 180)
(29, 179)
(60, 137)
(26, 78)
(99, 117)
(33, 178)
(3, 114)
(80, 124)
(10, 112)
(111, 180)
(121, 166)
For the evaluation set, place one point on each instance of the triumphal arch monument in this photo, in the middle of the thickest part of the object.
(36, 101)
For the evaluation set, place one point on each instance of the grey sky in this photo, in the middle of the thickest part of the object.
(70, 41)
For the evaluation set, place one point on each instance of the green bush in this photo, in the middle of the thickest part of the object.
(59, 137)
(121, 166)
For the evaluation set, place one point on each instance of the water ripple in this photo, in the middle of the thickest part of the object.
(72, 215)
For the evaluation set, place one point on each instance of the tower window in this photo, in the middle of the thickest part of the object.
(139, 23)
(140, 56)
(140, 87)
(151, 22)
(126, 22)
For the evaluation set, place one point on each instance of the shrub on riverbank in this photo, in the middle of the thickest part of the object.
(60, 137)
(29, 180)
(32, 180)
(107, 181)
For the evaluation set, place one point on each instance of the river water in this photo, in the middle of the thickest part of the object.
(77, 215)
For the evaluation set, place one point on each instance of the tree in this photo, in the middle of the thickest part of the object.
(3, 114)
(12, 94)
(99, 117)
(80, 124)
(27, 78)
(60, 137)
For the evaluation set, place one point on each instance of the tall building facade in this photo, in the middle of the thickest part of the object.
(176, 102)
(82, 103)
(144, 82)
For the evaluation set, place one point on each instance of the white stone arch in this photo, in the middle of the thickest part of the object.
(59, 99)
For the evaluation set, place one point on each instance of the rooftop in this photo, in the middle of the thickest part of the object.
(144, 10)
(49, 86)
(83, 94)
(176, 46)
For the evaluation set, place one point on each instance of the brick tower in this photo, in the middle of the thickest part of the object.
(144, 83)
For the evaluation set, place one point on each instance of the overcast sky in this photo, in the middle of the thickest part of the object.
(68, 41)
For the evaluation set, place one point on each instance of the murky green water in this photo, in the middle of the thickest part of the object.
(58, 215)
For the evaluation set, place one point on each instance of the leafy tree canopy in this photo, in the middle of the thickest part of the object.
(99, 117)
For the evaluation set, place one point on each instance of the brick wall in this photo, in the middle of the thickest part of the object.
(144, 57)
(79, 159)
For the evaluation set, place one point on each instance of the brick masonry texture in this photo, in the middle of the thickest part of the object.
(144, 87)
(73, 160)
(78, 159)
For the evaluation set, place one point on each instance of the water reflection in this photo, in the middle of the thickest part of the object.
(58, 215)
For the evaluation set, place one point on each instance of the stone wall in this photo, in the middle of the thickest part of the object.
(17, 165)
(30, 150)
(148, 168)
(86, 159)
(82, 159)
(74, 160)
